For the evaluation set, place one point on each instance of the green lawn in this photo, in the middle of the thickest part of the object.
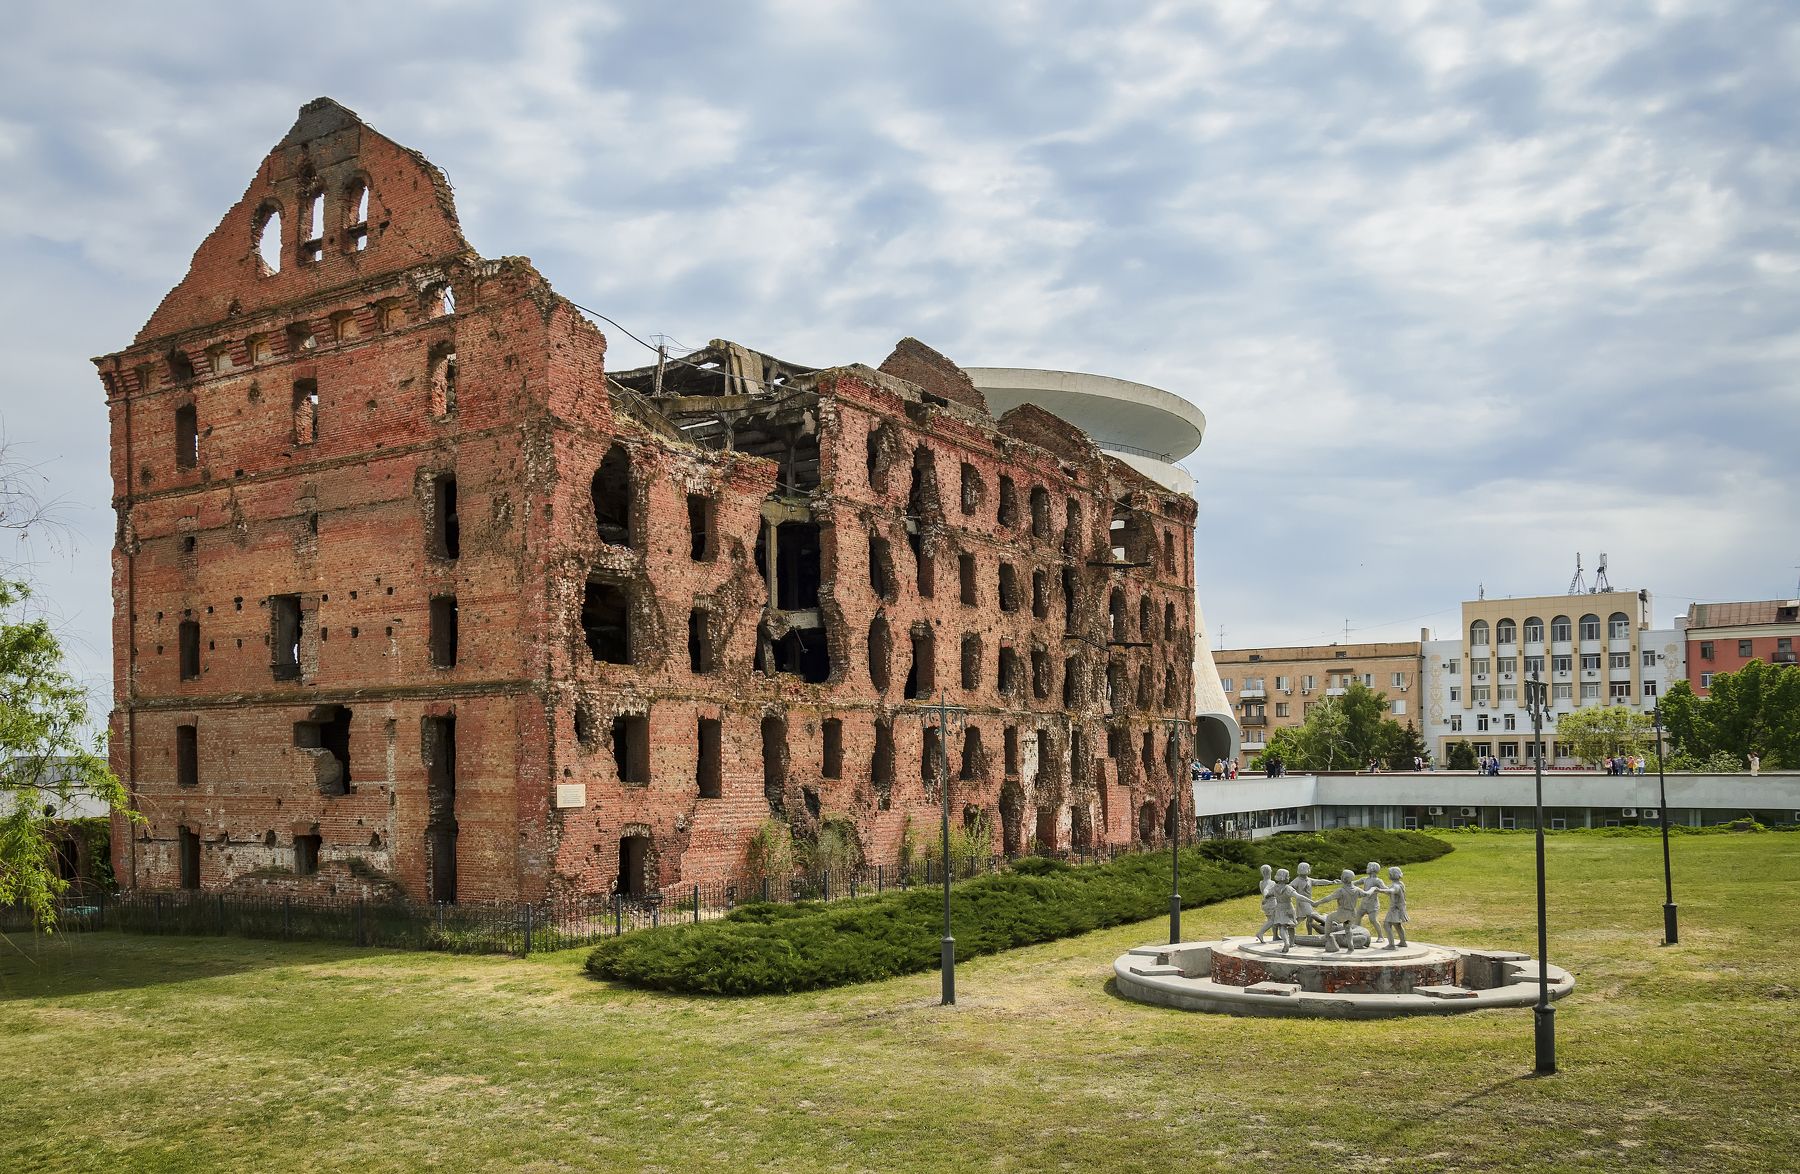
(145, 1053)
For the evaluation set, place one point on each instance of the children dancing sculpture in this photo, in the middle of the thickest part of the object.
(1288, 903)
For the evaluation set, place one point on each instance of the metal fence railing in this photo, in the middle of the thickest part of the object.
(471, 928)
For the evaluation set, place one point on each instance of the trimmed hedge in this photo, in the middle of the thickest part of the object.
(764, 949)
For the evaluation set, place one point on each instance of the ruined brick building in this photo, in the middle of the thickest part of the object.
(412, 594)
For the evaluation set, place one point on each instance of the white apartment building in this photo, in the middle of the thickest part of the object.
(1596, 648)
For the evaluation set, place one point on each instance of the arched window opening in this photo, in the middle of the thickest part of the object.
(775, 762)
(971, 662)
(1144, 686)
(974, 762)
(1008, 513)
(440, 301)
(1072, 527)
(921, 678)
(312, 245)
(1590, 627)
(881, 569)
(1506, 632)
(1040, 595)
(1072, 692)
(1009, 588)
(1534, 630)
(1478, 634)
(446, 521)
(267, 235)
(356, 216)
(881, 764)
(611, 495)
(1116, 691)
(973, 490)
(1146, 619)
(1618, 626)
(1040, 513)
(1169, 621)
(1116, 607)
(1561, 630)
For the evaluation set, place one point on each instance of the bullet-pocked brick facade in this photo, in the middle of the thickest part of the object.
(413, 597)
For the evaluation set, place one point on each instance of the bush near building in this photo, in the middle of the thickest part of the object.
(766, 949)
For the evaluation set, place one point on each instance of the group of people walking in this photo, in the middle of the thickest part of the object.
(1288, 902)
(1625, 764)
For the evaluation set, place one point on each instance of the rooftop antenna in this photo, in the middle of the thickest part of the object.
(1600, 583)
(1480, 592)
(1578, 584)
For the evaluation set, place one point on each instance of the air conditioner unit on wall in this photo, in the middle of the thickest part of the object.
(1628, 812)
(1434, 811)
(1470, 812)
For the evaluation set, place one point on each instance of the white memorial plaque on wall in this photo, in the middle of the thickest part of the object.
(571, 794)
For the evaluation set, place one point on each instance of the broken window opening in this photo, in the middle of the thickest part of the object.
(1147, 823)
(1168, 552)
(1040, 595)
(802, 652)
(440, 374)
(1172, 755)
(306, 411)
(1040, 513)
(1008, 513)
(774, 762)
(587, 725)
(634, 867)
(1040, 674)
(1009, 587)
(1116, 609)
(326, 732)
(924, 566)
(881, 651)
(972, 489)
(974, 762)
(1072, 537)
(929, 754)
(1046, 831)
(356, 215)
(971, 662)
(266, 232)
(611, 495)
(1143, 686)
(440, 301)
(1115, 686)
(443, 631)
(1009, 670)
(1115, 742)
(187, 437)
(881, 569)
(1171, 690)
(1010, 749)
(306, 855)
(831, 748)
(881, 764)
(1147, 754)
(287, 621)
(702, 512)
(1168, 621)
(708, 773)
(701, 658)
(1072, 691)
(188, 853)
(1146, 619)
(921, 678)
(880, 456)
(181, 368)
(922, 497)
(1046, 759)
(187, 756)
(797, 566)
(312, 245)
(446, 523)
(965, 567)
(300, 338)
(631, 747)
(1070, 598)
(606, 621)
(190, 650)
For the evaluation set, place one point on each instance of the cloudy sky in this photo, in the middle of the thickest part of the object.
(1463, 289)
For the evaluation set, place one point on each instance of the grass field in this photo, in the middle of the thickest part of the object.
(145, 1053)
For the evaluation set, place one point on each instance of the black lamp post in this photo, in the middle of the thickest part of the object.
(1544, 1015)
(1175, 852)
(947, 964)
(1670, 933)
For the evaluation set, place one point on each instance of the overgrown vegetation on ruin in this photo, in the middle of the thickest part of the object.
(762, 949)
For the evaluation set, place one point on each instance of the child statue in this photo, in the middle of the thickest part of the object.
(1396, 914)
(1343, 918)
(1264, 887)
(1368, 904)
(1283, 893)
(1306, 913)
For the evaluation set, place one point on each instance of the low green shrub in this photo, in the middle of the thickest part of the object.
(764, 949)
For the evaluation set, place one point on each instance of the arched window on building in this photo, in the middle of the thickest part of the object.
(1478, 634)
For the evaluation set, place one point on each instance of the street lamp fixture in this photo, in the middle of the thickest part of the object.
(946, 713)
(1175, 846)
(1537, 697)
(1671, 935)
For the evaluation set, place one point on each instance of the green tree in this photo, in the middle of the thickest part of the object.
(1404, 745)
(1461, 755)
(1344, 733)
(48, 756)
(1755, 709)
(1596, 732)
